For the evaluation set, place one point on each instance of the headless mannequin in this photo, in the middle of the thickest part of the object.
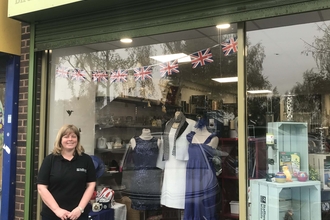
(174, 181)
(202, 134)
(145, 135)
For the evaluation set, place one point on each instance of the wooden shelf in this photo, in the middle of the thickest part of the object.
(100, 127)
(137, 101)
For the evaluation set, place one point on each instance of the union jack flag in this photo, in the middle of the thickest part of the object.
(62, 72)
(229, 46)
(106, 195)
(201, 58)
(169, 68)
(118, 76)
(143, 73)
(100, 76)
(78, 75)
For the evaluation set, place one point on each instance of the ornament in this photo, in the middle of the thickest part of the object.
(287, 173)
(302, 176)
(280, 177)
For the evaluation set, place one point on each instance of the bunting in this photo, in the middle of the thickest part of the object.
(79, 75)
(169, 68)
(100, 76)
(143, 73)
(229, 46)
(118, 76)
(62, 72)
(199, 58)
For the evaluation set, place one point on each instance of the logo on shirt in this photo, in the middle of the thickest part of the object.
(82, 170)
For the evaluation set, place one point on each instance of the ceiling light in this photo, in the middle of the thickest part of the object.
(223, 26)
(126, 40)
(226, 79)
(259, 91)
(181, 57)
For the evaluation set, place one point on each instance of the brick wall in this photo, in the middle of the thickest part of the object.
(22, 122)
(22, 127)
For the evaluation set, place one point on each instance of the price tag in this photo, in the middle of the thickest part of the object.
(270, 139)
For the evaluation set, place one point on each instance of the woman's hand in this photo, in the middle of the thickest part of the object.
(62, 213)
(74, 214)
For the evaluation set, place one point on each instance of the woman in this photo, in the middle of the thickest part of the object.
(67, 178)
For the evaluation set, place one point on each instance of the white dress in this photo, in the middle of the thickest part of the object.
(174, 182)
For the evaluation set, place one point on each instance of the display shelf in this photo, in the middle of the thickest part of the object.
(270, 200)
(128, 99)
(288, 137)
(140, 126)
(135, 100)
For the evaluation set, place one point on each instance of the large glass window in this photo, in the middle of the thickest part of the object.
(121, 95)
(288, 113)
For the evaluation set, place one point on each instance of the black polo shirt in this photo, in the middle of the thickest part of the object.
(66, 181)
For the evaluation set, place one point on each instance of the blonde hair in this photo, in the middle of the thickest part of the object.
(64, 130)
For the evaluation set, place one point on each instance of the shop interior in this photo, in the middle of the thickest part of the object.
(140, 85)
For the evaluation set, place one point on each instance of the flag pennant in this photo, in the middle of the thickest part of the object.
(62, 72)
(143, 73)
(78, 75)
(100, 76)
(169, 68)
(118, 76)
(229, 46)
(201, 58)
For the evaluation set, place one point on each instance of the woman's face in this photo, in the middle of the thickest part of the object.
(69, 141)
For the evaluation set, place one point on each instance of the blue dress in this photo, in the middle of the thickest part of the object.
(201, 183)
(141, 176)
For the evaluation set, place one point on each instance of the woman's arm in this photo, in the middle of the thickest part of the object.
(75, 213)
(49, 200)
(87, 196)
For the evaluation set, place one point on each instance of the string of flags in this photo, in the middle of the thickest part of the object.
(199, 58)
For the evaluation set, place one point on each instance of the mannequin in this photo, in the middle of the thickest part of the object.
(145, 135)
(201, 183)
(175, 147)
(202, 134)
(140, 175)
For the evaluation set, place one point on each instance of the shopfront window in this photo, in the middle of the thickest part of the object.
(288, 116)
(136, 105)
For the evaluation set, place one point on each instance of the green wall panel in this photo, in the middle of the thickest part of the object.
(145, 18)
